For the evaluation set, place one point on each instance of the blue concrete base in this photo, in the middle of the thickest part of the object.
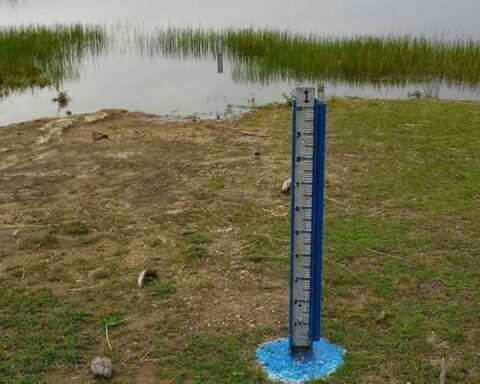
(277, 362)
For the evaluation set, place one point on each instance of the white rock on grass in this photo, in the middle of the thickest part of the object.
(102, 367)
(146, 277)
(287, 185)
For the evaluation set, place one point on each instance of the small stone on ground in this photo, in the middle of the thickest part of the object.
(286, 186)
(102, 367)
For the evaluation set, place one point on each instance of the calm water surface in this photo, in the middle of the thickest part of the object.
(123, 78)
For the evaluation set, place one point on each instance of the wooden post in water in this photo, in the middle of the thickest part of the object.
(220, 54)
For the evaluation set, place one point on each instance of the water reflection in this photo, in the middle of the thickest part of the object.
(265, 56)
(39, 56)
(36, 56)
(136, 61)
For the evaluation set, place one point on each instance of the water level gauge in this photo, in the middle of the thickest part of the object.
(304, 356)
(308, 154)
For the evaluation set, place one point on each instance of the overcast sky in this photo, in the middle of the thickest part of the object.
(429, 17)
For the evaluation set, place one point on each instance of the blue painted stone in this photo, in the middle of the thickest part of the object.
(278, 363)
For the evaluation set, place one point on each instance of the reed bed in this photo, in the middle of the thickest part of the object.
(264, 54)
(39, 55)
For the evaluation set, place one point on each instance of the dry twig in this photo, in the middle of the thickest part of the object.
(336, 201)
(90, 274)
(443, 373)
(144, 358)
(271, 238)
(225, 128)
(389, 255)
(112, 325)
(25, 260)
(21, 226)
(215, 215)
(85, 289)
(108, 340)
(343, 267)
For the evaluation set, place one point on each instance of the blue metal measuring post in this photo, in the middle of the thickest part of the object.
(306, 220)
(304, 355)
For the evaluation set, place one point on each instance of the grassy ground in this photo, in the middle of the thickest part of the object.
(194, 201)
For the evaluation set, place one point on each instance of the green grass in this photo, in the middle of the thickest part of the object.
(45, 240)
(76, 228)
(47, 335)
(164, 287)
(401, 278)
(195, 247)
(261, 55)
(39, 56)
(110, 317)
(209, 358)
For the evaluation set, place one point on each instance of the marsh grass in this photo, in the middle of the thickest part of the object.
(48, 55)
(39, 55)
(261, 55)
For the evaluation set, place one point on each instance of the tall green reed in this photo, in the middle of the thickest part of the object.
(262, 55)
(39, 55)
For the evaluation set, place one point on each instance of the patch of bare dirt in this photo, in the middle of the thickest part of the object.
(139, 193)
